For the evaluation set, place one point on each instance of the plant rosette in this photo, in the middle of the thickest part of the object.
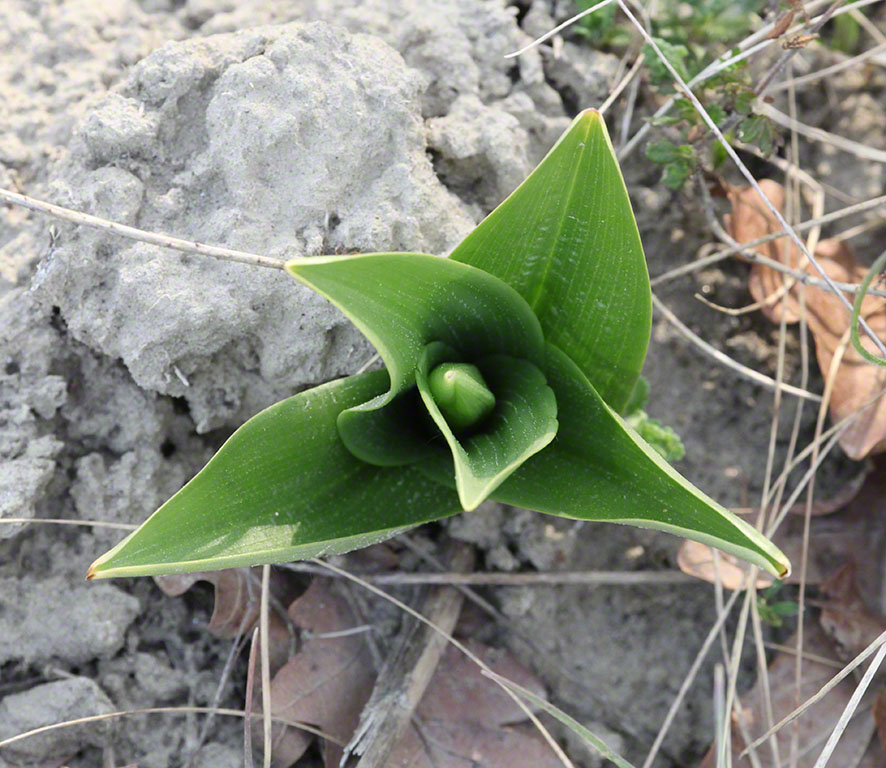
(507, 366)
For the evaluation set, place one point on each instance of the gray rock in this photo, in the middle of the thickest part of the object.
(586, 75)
(483, 151)
(51, 619)
(53, 703)
(286, 140)
(29, 397)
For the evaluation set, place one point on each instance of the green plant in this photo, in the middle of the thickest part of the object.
(540, 319)
(774, 612)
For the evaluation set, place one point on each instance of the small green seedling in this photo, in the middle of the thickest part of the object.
(774, 612)
(507, 367)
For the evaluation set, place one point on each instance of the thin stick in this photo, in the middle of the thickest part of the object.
(265, 648)
(850, 708)
(616, 92)
(161, 710)
(690, 677)
(747, 174)
(165, 241)
(817, 658)
(589, 578)
(559, 28)
(720, 357)
(746, 250)
(458, 644)
(58, 521)
(880, 642)
(862, 151)
(827, 71)
(250, 687)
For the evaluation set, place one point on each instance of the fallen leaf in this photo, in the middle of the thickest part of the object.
(463, 720)
(781, 25)
(856, 382)
(466, 720)
(236, 606)
(327, 683)
(845, 618)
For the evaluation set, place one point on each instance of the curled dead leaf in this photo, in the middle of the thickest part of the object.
(858, 387)
(236, 608)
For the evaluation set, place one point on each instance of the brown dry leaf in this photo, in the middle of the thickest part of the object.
(466, 720)
(857, 381)
(781, 25)
(846, 619)
(327, 683)
(697, 560)
(463, 716)
(236, 607)
(816, 723)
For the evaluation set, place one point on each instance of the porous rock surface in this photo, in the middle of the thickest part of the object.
(52, 703)
(255, 141)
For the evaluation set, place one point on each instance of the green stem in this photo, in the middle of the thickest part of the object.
(875, 269)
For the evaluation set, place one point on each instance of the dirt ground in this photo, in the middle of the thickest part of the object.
(123, 367)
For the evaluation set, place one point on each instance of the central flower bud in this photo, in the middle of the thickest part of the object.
(461, 394)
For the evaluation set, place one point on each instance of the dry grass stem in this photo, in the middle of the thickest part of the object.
(141, 235)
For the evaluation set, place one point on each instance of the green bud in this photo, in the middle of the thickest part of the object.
(461, 394)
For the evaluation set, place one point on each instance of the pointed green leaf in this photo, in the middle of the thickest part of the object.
(523, 422)
(567, 241)
(599, 469)
(402, 302)
(282, 488)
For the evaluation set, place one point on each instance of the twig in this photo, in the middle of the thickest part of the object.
(561, 755)
(850, 708)
(616, 92)
(590, 578)
(746, 250)
(559, 28)
(720, 357)
(162, 711)
(408, 671)
(165, 241)
(880, 643)
(250, 687)
(57, 521)
(699, 107)
(265, 648)
(862, 151)
(827, 71)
